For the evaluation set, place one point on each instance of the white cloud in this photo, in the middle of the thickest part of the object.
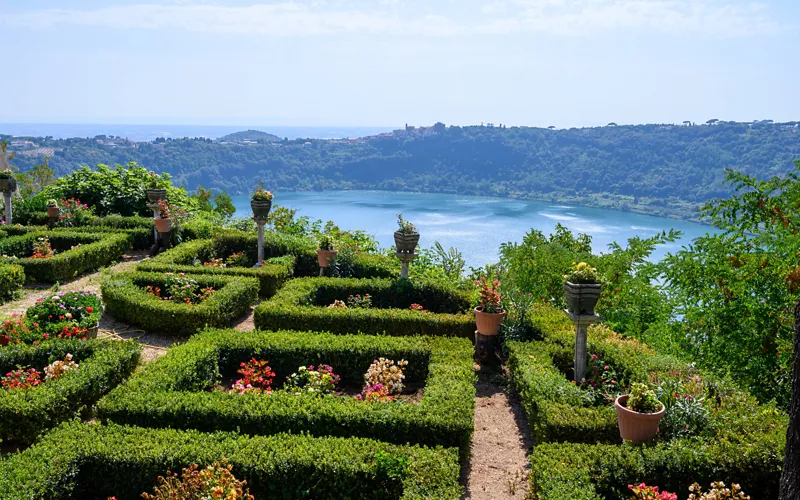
(491, 17)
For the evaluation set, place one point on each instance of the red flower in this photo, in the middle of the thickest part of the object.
(89, 309)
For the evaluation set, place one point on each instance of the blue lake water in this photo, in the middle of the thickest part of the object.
(475, 225)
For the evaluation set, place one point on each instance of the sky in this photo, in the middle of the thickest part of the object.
(390, 62)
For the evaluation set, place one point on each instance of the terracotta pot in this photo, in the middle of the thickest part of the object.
(582, 297)
(260, 208)
(52, 211)
(154, 194)
(488, 323)
(324, 256)
(406, 242)
(8, 185)
(163, 225)
(634, 426)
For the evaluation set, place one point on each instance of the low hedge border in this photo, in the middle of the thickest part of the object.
(188, 258)
(12, 279)
(96, 250)
(172, 392)
(127, 301)
(97, 461)
(302, 305)
(26, 413)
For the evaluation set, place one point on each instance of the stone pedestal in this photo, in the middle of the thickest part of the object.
(486, 349)
(7, 200)
(156, 238)
(581, 322)
(405, 260)
(260, 222)
(51, 222)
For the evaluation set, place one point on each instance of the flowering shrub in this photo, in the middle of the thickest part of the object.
(181, 290)
(16, 330)
(357, 300)
(256, 375)
(338, 304)
(489, 295)
(718, 491)
(65, 312)
(307, 380)
(582, 273)
(683, 398)
(237, 259)
(21, 379)
(215, 481)
(171, 212)
(58, 368)
(601, 380)
(386, 372)
(215, 262)
(71, 332)
(417, 307)
(644, 492)
(375, 393)
(42, 249)
(72, 213)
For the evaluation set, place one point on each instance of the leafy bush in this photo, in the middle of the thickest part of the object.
(103, 364)
(12, 279)
(97, 461)
(302, 304)
(127, 300)
(173, 391)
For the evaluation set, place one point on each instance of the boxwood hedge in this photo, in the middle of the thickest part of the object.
(303, 304)
(127, 300)
(174, 390)
(26, 413)
(12, 279)
(97, 461)
(95, 250)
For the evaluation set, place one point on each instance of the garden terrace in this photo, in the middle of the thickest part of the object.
(24, 413)
(95, 250)
(140, 228)
(98, 461)
(127, 299)
(303, 304)
(177, 390)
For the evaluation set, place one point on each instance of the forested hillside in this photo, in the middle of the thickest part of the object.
(662, 169)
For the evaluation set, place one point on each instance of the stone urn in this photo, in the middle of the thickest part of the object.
(634, 426)
(163, 225)
(406, 242)
(52, 211)
(488, 323)
(155, 194)
(8, 184)
(324, 256)
(260, 208)
(582, 297)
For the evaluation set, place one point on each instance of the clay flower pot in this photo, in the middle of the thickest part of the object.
(582, 297)
(154, 194)
(324, 256)
(163, 225)
(52, 211)
(260, 208)
(634, 426)
(488, 323)
(406, 242)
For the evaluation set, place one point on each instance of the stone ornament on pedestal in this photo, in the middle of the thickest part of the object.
(260, 222)
(405, 260)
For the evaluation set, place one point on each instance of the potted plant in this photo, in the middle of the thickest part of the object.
(157, 187)
(8, 183)
(489, 315)
(261, 202)
(582, 288)
(325, 251)
(406, 237)
(638, 414)
(52, 208)
(168, 214)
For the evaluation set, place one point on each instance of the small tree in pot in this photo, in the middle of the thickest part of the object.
(582, 288)
(157, 187)
(326, 250)
(261, 202)
(169, 214)
(52, 207)
(638, 414)
(406, 237)
(489, 314)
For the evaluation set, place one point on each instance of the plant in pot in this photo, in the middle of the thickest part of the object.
(638, 414)
(406, 237)
(325, 252)
(157, 187)
(261, 202)
(8, 183)
(52, 208)
(489, 314)
(582, 288)
(169, 215)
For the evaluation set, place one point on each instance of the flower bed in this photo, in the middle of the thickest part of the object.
(12, 279)
(75, 252)
(127, 299)
(310, 304)
(98, 461)
(177, 390)
(61, 315)
(24, 413)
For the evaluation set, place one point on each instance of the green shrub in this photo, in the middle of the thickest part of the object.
(3, 234)
(127, 300)
(303, 304)
(95, 250)
(174, 390)
(12, 279)
(97, 461)
(26, 413)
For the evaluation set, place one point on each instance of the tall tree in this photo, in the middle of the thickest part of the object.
(790, 475)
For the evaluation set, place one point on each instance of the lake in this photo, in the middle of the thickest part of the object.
(475, 225)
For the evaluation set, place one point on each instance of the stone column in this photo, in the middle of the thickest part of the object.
(260, 222)
(405, 259)
(156, 239)
(7, 199)
(581, 322)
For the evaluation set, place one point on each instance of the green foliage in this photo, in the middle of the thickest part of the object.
(173, 391)
(12, 279)
(103, 365)
(127, 300)
(303, 304)
(97, 461)
(643, 399)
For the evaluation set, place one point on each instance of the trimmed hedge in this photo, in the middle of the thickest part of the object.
(103, 365)
(126, 299)
(96, 250)
(188, 258)
(173, 391)
(303, 305)
(12, 279)
(97, 461)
